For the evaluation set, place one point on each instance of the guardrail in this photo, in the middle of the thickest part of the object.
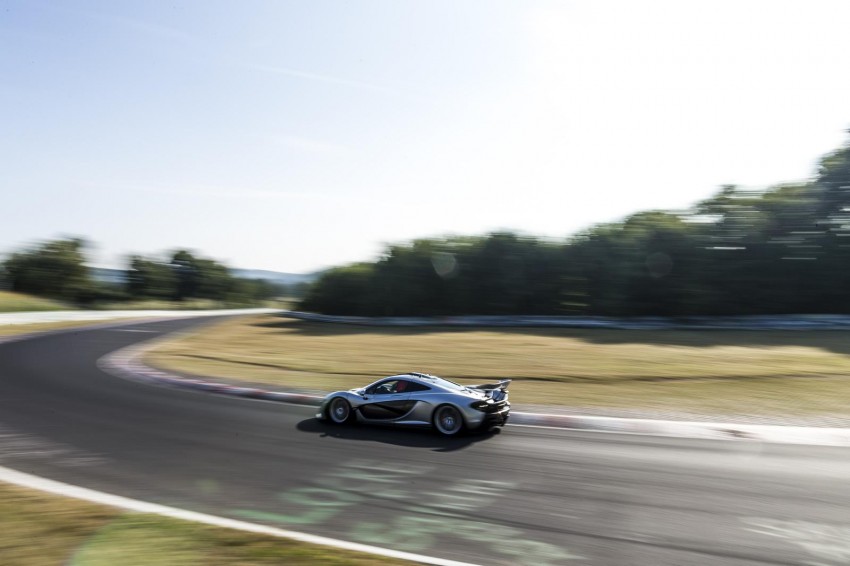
(753, 322)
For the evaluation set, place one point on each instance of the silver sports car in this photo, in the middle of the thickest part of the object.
(419, 399)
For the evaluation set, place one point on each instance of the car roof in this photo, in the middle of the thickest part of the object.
(427, 378)
(415, 376)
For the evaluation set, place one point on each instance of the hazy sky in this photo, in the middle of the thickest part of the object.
(297, 135)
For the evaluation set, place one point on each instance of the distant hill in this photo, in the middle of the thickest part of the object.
(276, 276)
(106, 275)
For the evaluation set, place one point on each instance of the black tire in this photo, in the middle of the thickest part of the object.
(447, 420)
(339, 411)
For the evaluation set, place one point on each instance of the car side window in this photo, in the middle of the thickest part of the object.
(396, 386)
(385, 388)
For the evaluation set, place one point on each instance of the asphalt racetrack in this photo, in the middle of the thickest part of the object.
(520, 496)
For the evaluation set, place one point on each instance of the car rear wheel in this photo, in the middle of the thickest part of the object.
(339, 411)
(447, 420)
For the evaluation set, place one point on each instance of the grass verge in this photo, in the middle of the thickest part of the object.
(38, 529)
(730, 372)
(17, 302)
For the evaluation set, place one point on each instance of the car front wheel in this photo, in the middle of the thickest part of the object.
(339, 411)
(448, 420)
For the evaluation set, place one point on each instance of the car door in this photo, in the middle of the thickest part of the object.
(388, 400)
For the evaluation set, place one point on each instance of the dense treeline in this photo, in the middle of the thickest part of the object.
(782, 250)
(186, 276)
(56, 269)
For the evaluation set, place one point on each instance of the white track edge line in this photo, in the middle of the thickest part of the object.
(23, 479)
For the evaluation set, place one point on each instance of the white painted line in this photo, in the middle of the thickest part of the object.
(43, 484)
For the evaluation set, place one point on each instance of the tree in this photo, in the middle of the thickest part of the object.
(833, 185)
(200, 278)
(184, 266)
(150, 279)
(342, 291)
(54, 269)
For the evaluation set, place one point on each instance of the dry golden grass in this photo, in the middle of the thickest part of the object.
(38, 529)
(745, 372)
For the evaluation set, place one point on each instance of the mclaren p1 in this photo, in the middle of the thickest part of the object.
(422, 400)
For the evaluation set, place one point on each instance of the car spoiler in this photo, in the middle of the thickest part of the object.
(502, 385)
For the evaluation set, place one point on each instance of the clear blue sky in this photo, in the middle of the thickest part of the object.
(297, 135)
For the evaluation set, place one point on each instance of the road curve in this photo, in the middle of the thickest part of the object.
(523, 496)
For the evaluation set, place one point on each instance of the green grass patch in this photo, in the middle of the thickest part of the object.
(38, 529)
(741, 372)
(18, 302)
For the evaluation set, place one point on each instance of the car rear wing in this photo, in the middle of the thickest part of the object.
(500, 385)
(497, 391)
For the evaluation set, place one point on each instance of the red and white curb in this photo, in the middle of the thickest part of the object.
(127, 363)
(43, 484)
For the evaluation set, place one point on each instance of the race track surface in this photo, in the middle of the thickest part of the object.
(522, 496)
